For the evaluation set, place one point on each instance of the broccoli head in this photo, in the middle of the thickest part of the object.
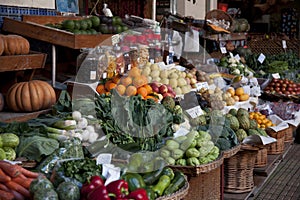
(223, 144)
(169, 103)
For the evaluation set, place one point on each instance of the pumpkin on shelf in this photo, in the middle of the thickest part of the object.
(30, 96)
(13, 45)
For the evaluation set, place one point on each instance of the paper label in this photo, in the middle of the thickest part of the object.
(261, 58)
(223, 50)
(93, 75)
(181, 132)
(129, 67)
(104, 75)
(195, 112)
(231, 55)
(104, 158)
(115, 39)
(237, 56)
(284, 44)
(276, 75)
(122, 70)
(200, 85)
(111, 173)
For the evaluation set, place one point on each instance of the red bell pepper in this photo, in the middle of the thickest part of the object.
(88, 187)
(99, 193)
(119, 188)
(138, 194)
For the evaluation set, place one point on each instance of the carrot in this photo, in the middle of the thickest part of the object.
(4, 195)
(3, 177)
(27, 173)
(17, 195)
(20, 189)
(3, 187)
(10, 169)
(22, 180)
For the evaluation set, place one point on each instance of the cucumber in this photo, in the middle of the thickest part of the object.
(9, 140)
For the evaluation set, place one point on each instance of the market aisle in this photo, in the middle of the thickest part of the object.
(284, 182)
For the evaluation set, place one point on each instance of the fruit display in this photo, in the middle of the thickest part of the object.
(282, 87)
(235, 66)
(92, 25)
(261, 119)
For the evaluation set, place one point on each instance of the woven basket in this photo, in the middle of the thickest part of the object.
(205, 186)
(220, 15)
(276, 147)
(289, 137)
(261, 158)
(238, 171)
(274, 134)
(180, 194)
(231, 152)
(198, 170)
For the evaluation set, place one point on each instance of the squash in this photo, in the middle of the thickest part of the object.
(244, 97)
(239, 91)
(1, 45)
(14, 45)
(30, 96)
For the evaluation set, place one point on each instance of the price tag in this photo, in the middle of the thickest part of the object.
(276, 75)
(231, 55)
(104, 158)
(122, 70)
(181, 132)
(223, 50)
(104, 75)
(201, 85)
(284, 44)
(195, 112)
(93, 75)
(237, 56)
(115, 39)
(129, 67)
(261, 58)
(111, 173)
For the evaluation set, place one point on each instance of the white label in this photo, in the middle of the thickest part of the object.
(129, 67)
(261, 58)
(200, 85)
(223, 50)
(237, 56)
(284, 44)
(195, 112)
(111, 173)
(115, 39)
(276, 75)
(231, 55)
(151, 60)
(93, 75)
(181, 132)
(104, 75)
(122, 70)
(104, 158)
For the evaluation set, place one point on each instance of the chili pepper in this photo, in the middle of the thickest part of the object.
(134, 181)
(94, 182)
(118, 187)
(99, 192)
(138, 194)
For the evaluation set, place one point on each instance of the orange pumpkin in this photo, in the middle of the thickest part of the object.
(1, 45)
(30, 96)
(15, 45)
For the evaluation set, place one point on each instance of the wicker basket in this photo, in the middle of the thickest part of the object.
(220, 15)
(238, 171)
(198, 170)
(276, 147)
(261, 158)
(289, 137)
(274, 134)
(231, 152)
(180, 194)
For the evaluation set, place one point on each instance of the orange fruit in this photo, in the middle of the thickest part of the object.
(100, 89)
(121, 89)
(134, 72)
(126, 80)
(116, 79)
(142, 91)
(151, 97)
(139, 81)
(239, 91)
(131, 90)
(110, 85)
(149, 88)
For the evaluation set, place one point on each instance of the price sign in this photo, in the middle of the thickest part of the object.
(104, 75)
(104, 158)
(237, 56)
(93, 75)
(115, 39)
(195, 112)
(261, 58)
(181, 132)
(284, 44)
(276, 75)
(111, 173)
(223, 50)
(201, 85)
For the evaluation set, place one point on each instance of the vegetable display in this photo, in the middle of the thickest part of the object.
(13, 45)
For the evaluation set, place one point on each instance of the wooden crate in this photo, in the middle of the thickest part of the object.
(33, 60)
(34, 27)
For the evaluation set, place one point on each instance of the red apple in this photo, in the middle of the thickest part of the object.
(163, 89)
(167, 94)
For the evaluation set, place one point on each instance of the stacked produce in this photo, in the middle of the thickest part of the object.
(282, 87)
(235, 66)
(8, 143)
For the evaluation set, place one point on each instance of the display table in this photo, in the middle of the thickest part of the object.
(34, 27)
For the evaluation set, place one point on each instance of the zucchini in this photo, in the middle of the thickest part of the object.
(9, 140)
(152, 177)
(177, 183)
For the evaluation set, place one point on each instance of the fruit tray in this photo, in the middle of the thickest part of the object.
(276, 97)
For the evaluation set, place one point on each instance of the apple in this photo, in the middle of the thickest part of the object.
(163, 89)
(167, 94)
(169, 88)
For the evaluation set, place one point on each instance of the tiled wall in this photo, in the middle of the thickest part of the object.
(17, 12)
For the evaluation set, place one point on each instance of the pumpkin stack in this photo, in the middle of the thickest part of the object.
(30, 96)
(13, 45)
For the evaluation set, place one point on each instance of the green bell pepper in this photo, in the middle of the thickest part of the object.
(134, 181)
(169, 172)
(150, 193)
(163, 182)
(193, 161)
(152, 177)
(177, 183)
